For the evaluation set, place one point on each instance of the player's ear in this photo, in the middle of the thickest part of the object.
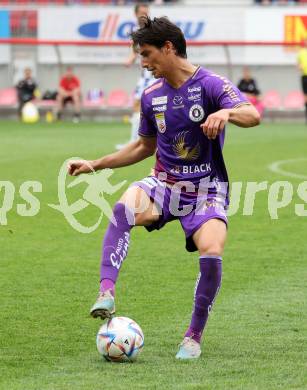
(168, 47)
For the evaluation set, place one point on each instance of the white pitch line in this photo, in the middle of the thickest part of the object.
(276, 168)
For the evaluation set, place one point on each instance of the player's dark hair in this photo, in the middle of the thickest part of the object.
(157, 31)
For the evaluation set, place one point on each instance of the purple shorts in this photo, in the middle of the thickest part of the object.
(192, 210)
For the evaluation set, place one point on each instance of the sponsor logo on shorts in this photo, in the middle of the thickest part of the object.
(160, 108)
(160, 121)
(159, 100)
(196, 113)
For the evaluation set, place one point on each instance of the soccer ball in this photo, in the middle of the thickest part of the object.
(29, 113)
(120, 340)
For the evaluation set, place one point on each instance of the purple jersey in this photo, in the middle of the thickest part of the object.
(174, 117)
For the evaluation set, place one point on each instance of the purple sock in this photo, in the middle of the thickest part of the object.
(206, 289)
(115, 246)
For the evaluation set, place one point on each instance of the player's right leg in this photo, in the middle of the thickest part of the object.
(134, 208)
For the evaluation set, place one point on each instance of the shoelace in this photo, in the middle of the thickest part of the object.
(104, 294)
(187, 340)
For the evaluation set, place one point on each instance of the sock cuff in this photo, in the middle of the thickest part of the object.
(205, 258)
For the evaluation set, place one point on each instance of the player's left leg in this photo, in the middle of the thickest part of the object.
(210, 240)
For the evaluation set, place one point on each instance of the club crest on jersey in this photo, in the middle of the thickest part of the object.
(160, 121)
(196, 113)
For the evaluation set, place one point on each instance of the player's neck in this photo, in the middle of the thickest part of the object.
(180, 72)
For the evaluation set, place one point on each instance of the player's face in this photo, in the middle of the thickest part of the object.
(154, 59)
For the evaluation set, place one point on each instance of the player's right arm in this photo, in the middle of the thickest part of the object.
(132, 153)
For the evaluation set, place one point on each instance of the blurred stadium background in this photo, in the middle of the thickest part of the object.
(92, 36)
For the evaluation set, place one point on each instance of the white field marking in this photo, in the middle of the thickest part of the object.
(276, 167)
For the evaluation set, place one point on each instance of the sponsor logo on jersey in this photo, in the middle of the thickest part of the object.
(183, 149)
(159, 100)
(160, 108)
(175, 170)
(227, 88)
(177, 100)
(195, 97)
(192, 169)
(196, 88)
(153, 87)
(196, 113)
(160, 121)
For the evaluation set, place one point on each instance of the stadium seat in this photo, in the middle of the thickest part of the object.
(118, 98)
(272, 100)
(294, 100)
(93, 103)
(8, 97)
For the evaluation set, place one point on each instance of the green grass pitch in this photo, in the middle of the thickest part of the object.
(256, 335)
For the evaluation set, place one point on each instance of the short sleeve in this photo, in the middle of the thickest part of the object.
(147, 127)
(225, 94)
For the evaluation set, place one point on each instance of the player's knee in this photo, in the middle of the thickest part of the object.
(122, 212)
(211, 249)
(136, 199)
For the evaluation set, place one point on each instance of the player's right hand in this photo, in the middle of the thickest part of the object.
(76, 167)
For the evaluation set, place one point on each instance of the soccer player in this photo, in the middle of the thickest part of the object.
(183, 118)
(145, 80)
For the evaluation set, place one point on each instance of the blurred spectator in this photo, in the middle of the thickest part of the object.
(302, 64)
(69, 92)
(249, 87)
(26, 89)
(146, 79)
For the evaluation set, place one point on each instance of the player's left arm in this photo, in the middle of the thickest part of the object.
(244, 115)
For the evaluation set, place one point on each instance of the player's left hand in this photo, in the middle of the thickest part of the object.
(215, 123)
